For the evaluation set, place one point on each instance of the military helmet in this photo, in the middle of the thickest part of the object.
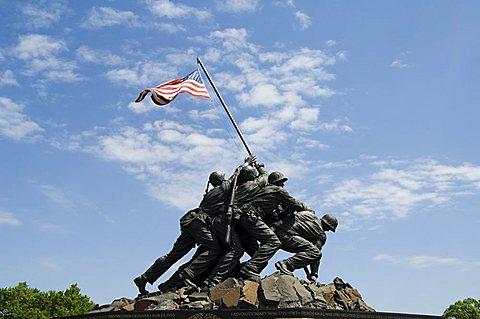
(216, 178)
(275, 177)
(331, 221)
(248, 173)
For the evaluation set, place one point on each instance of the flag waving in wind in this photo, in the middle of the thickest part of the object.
(168, 91)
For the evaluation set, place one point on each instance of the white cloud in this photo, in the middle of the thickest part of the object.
(386, 258)
(330, 43)
(237, 6)
(125, 77)
(71, 203)
(290, 78)
(42, 16)
(96, 56)
(40, 53)
(399, 64)
(303, 19)
(166, 154)
(263, 94)
(57, 196)
(8, 218)
(171, 27)
(336, 126)
(269, 78)
(306, 119)
(14, 123)
(143, 75)
(341, 55)
(168, 9)
(304, 60)
(285, 3)
(231, 38)
(424, 261)
(278, 84)
(264, 134)
(272, 78)
(53, 228)
(268, 132)
(311, 143)
(210, 114)
(173, 159)
(428, 261)
(8, 78)
(67, 74)
(100, 17)
(181, 57)
(398, 188)
(158, 142)
(49, 264)
(33, 46)
(142, 107)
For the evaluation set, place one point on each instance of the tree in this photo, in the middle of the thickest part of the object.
(23, 302)
(466, 309)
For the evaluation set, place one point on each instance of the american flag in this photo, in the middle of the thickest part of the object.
(168, 91)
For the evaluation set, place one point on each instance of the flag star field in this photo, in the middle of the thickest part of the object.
(370, 108)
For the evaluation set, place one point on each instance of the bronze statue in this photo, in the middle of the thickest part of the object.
(303, 233)
(195, 228)
(250, 207)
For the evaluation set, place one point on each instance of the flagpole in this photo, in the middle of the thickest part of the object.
(225, 107)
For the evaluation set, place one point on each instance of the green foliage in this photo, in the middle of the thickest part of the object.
(466, 309)
(23, 302)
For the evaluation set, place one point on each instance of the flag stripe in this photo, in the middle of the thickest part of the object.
(167, 89)
(166, 92)
(185, 83)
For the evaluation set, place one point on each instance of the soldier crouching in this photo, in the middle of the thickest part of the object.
(303, 234)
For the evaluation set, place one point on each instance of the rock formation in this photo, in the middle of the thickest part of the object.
(274, 291)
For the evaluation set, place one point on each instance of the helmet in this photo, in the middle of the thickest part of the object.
(216, 178)
(275, 177)
(331, 221)
(248, 173)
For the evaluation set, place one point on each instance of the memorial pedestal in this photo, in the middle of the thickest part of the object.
(251, 314)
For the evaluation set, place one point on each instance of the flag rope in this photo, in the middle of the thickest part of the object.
(225, 107)
(226, 123)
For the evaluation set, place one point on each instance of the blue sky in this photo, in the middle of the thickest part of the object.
(369, 107)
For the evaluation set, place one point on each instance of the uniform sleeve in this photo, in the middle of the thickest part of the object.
(314, 266)
(293, 203)
(262, 179)
(227, 185)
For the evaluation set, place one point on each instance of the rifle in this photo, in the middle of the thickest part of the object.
(228, 236)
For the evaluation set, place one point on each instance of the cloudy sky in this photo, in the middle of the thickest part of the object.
(369, 107)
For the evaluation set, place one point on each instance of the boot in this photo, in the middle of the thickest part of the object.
(164, 287)
(141, 283)
(283, 268)
(249, 275)
(186, 283)
(206, 286)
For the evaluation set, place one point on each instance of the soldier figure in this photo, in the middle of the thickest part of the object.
(248, 220)
(195, 229)
(256, 206)
(294, 228)
(303, 233)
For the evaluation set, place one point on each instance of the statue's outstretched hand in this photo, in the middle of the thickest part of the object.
(251, 159)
